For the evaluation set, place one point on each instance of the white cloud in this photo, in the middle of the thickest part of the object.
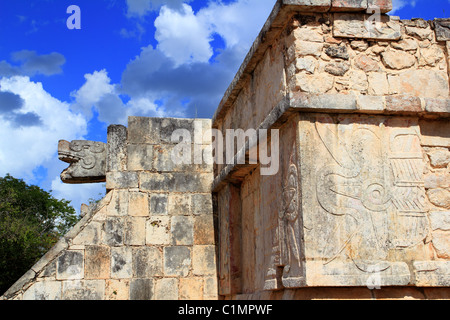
(22, 149)
(400, 4)
(183, 36)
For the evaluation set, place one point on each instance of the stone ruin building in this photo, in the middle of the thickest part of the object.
(358, 208)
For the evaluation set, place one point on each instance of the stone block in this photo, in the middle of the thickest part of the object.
(140, 157)
(158, 231)
(398, 60)
(90, 235)
(201, 204)
(179, 204)
(182, 230)
(384, 5)
(44, 290)
(176, 182)
(441, 243)
(134, 231)
(442, 29)
(204, 230)
(166, 289)
(191, 289)
(370, 103)
(378, 83)
(348, 5)
(362, 26)
(138, 204)
(117, 290)
(83, 290)
(121, 262)
(308, 48)
(112, 233)
(437, 105)
(121, 180)
(158, 204)
(310, 5)
(143, 130)
(97, 262)
(116, 156)
(439, 197)
(204, 260)
(118, 207)
(147, 262)
(403, 104)
(439, 157)
(177, 261)
(70, 265)
(432, 273)
(210, 290)
(141, 289)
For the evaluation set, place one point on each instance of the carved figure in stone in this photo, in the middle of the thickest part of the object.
(374, 190)
(356, 191)
(87, 161)
(286, 252)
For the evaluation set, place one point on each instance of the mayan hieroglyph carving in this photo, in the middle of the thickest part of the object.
(87, 161)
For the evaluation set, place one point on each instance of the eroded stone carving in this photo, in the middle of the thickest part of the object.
(87, 161)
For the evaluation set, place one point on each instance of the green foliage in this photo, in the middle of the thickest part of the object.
(31, 222)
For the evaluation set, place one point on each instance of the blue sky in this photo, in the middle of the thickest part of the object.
(131, 57)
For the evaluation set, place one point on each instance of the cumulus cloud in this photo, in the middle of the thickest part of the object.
(28, 146)
(30, 64)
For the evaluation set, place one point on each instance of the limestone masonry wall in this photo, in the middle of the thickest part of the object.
(151, 237)
(359, 207)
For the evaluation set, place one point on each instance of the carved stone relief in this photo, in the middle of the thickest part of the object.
(87, 161)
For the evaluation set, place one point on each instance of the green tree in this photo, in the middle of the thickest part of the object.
(31, 222)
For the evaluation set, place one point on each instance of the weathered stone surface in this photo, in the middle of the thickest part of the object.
(166, 289)
(320, 83)
(337, 52)
(310, 5)
(70, 265)
(442, 29)
(177, 261)
(112, 233)
(348, 5)
(121, 262)
(91, 235)
(121, 180)
(141, 289)
(182, 230)
(158, 204)
(117, 290)
(367, 64)
(405, 44)
(179, 204)
(432, 273)
(158, 231)
(138, 204)
(403, 104)
(398, 60)
(134, 231)
(204, 260)
(116, 154)
(436, 180)
(175, 182)
(308, 64)
(201, 204)
(361, 26)
(204, 230)
(308, 48)
(439, 197)
(97, 262)
(424, 83)
(383, 5)
(441, 243)
(378, 83)
(147, 262)
(337, 68)
(87, 161)
(44, 290)
(420, 33)
(191, 289)
(439, 157)
(140, 157)
(83, 290)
